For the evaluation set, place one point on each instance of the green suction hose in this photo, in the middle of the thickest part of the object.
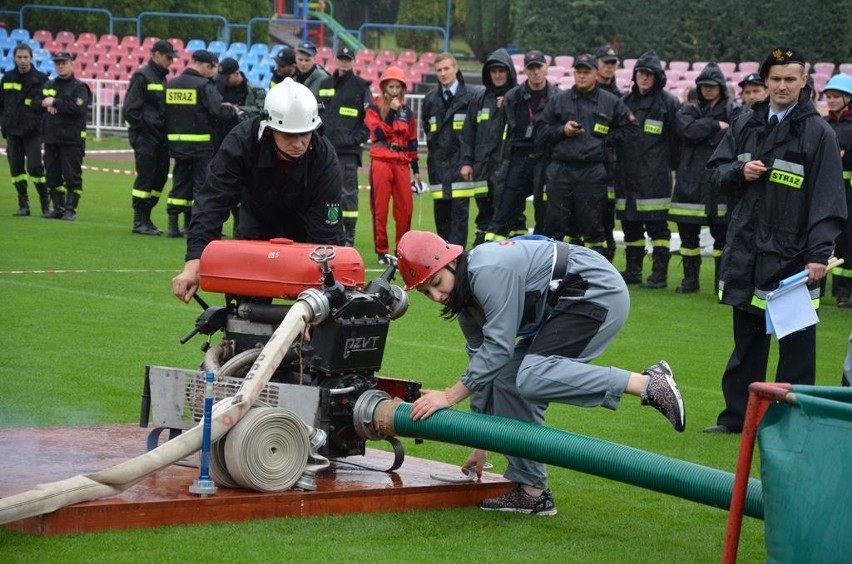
(568, 450)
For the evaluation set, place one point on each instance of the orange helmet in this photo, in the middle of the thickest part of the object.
(420, 254)
(393, 72)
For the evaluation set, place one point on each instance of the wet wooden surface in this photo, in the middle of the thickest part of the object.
(35, 456)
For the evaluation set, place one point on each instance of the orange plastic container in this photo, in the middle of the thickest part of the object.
(278, 268)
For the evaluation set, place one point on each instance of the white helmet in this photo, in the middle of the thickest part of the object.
(290, 107)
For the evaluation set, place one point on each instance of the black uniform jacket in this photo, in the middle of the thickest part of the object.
(71, 100)
(643, 177)
(299, 200)
(345, 99)
(791, 215)
(482, 135)
(145, 102)
(443, 127)
(20, 101)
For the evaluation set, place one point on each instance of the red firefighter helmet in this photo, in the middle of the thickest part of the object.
(393, 72)
(420, 254)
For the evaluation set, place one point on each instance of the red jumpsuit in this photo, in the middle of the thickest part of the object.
(393, 151)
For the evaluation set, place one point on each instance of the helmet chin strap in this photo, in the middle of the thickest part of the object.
(285, 156)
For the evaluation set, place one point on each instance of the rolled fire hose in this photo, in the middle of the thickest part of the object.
(46, 498)
(377, 416)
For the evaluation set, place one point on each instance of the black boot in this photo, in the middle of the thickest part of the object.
(691, 271)
(634, 256)
(142, 223)
(187, 219)
(348, 231)
(70, 213)
(23, 200)
(43, 198)
(174, 228)
(58, 205)
(718, 271)
(478, 239)
(660, 270)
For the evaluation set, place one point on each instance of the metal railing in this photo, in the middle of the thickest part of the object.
(106, 115)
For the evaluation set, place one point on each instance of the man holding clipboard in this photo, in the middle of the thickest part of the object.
(781, 165)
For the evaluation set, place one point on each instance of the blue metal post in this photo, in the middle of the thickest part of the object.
(204, 485)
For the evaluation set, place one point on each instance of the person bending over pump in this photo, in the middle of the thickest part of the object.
(534, 313)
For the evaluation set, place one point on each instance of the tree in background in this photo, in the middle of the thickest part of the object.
(487, 26)
(566, 28)
(422, 12)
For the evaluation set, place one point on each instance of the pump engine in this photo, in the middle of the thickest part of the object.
(321, 377)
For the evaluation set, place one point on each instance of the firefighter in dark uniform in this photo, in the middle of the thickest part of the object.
(193, 106)
(246, 98)
(66, 105)
(576, 124)
(345, 98)
(781, 165)
(442, 115)
(482, 137)
(607, 63)
(145, 113)
(309, 72)
(838, 97)
(282, 173)
(20, 119)
(643, 178)
(694, 202)
(524, 164)
(285, 66)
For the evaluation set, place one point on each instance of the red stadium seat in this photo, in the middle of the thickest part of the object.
(87, 39)
(65, 38)
(177, 43)
(556, 72)
(387, 56)
(824, 68)
(109, 42)
(517, 59)
(699, 65)
(325, 53)
(407, 57)
(369, 74)
(148, 42)
(129, 43)
(364, 55)
(748, 67)
(53, 46)
(679, 66)
(727, 68)
(42, 36)
(95, 50)
(566, 61)
(428, 57)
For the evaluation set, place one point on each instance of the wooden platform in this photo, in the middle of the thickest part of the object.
(33, 456)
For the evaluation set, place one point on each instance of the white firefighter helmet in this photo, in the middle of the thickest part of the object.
(290, 107)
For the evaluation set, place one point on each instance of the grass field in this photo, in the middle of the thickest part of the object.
(75, 345)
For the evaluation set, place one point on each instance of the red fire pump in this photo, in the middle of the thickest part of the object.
(320, 378)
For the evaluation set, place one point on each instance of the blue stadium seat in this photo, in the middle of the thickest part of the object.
(6, 62)
(20, 34)
(274, 50)
(196, 44)
(3, 33)
(217, 47)
(238, 48)
(6, 45)
(259, 49)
